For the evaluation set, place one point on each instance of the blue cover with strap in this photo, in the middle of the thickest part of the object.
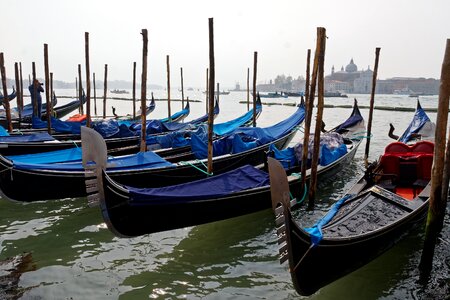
(3, 131)
(228, 127)
(58, 125)
(240, 179)
(66, 155)
(249, 137)
(327, 155)
(286, 156)
(176, 115)
(315, 231)
(141, 160)
(34, 137)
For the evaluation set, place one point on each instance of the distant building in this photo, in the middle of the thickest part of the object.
(352, 80)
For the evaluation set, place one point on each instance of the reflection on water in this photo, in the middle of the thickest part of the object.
(74, 256)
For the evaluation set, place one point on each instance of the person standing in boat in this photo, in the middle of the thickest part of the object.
(35, 91)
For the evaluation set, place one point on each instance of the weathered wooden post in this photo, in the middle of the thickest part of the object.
(218, 92)
(182, 89)
(255, 65)
(52, 93)
(248, 89)
(321, 38)
(207, 89)
(439, 178)
(168, 89)
(80, 90)
(372, 100)
(19, 91)
(308, 117)
(5, 93)
(35, 92)
(211, 95)
(144, 90)
(47, 90)
(95, 94)
(105, 90)
(134, 90)
(88, 80)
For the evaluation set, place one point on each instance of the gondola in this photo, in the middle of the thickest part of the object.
(67, 179)
(385, 203)
(130, 211)
(33, 142)
(10, 96)
(379, 210)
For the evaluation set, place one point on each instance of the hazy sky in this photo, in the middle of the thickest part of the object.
(411, 33)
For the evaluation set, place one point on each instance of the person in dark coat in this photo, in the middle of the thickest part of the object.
(37, 103)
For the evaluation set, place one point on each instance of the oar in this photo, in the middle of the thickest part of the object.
(255, 64)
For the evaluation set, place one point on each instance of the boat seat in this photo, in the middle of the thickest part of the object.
(397, 147)
(424, 164)
(423, 147)
(390, 164)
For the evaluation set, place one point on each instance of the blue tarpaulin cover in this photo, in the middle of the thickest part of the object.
(228, 127)
(286, 156)
(419, 120)
(66, 155)
(58, 125)
(243, 178)
(249, 137)
(34, 137)
(316, 230)
(141, 160)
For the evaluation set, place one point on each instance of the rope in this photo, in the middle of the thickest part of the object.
(359, 137)
(197, 168)
(305, 188)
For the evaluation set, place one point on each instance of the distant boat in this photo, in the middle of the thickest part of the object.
(116, 91)
(335, 94)
(420, 94)
(274, 95)
(220, 93)
(294, 94)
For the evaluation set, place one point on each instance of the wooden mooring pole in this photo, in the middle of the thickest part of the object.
(47, 90)
(255, 67)
(88, 80)
(168, 89)
(134, 90)
(35, 92)
(439, 172)
(105, 90)
(307, 127)
(211, 95)
(144, 90)
(321, 39)
(80, 90)
(19, 91)
(5, 92)
(95, 94)
(372, 100)
(248, 89)
(182, 89)
(207, 89)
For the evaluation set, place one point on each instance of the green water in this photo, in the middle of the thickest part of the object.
(74, 255)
